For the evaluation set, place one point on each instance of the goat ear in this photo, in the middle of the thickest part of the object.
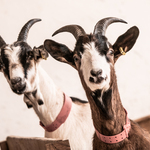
(125, 42)
(59, 52)
(40, 53)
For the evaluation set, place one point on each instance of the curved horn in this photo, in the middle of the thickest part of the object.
(25, 29)
(74, 29)
(2, 42)
(102, 25)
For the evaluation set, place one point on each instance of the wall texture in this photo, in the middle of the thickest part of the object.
(132, 70)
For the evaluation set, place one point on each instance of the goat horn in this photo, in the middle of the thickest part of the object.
(74, 29)
(2, 42)
(25, 29)
(102, 25)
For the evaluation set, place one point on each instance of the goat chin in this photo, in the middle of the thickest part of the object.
(76, 127)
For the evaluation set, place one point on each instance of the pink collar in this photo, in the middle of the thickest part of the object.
(116, 138)
(62, 116)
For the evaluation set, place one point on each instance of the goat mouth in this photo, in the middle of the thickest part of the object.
(20, 89)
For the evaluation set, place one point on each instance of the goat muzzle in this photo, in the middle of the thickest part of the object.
(17, 85)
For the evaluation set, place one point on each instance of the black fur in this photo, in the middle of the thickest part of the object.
(103, 101)
(101, 44)
(29, 105)
(34, 93)
(74, 99)
(40, 102)
(5, 62)
(23, 56)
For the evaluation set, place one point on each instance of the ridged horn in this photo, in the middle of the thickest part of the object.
(76, 30)
(2, 42)
(102, 25)
(25, 29)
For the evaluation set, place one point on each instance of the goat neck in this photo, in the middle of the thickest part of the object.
(52, 104)
(107, 111)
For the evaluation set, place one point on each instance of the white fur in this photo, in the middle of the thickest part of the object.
(12, 53)
(78, 127)
(92, 60)
(32, 73)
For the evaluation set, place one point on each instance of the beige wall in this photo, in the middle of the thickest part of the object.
(133, 70)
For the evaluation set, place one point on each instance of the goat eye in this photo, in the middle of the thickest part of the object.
(1, 65)
(30, 57)
(75, 58)
(111, 52)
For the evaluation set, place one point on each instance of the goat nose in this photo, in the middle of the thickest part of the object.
(99, 72)
(96, 73)
(15, 80)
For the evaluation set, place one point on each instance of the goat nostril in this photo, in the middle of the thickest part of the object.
(93, 73)
(91, 79)
(15, 80)
(96, 73)
(99, 72)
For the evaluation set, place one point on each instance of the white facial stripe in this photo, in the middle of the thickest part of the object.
(16, 72)
(92, 60)
(15, 68)
(13, 54)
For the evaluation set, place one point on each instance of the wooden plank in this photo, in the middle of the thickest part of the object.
(58, 146)
(144, 122)
(3, 145)
(22, 143)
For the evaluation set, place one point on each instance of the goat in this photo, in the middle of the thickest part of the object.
(20, 65)
(94, 58)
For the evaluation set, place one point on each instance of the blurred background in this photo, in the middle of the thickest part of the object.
(132, 70)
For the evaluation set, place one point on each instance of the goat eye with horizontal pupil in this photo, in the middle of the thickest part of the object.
(30, 57)
(75, 59)
(1, 65)
(111, 52)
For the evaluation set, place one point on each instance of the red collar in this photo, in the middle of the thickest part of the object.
(62, 116)
(116, 138)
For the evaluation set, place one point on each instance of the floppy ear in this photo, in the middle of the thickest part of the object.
(125, 42)
(59, 52)
(40, 53)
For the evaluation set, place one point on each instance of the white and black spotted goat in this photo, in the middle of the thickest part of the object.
(94, 58)
(20, 65)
